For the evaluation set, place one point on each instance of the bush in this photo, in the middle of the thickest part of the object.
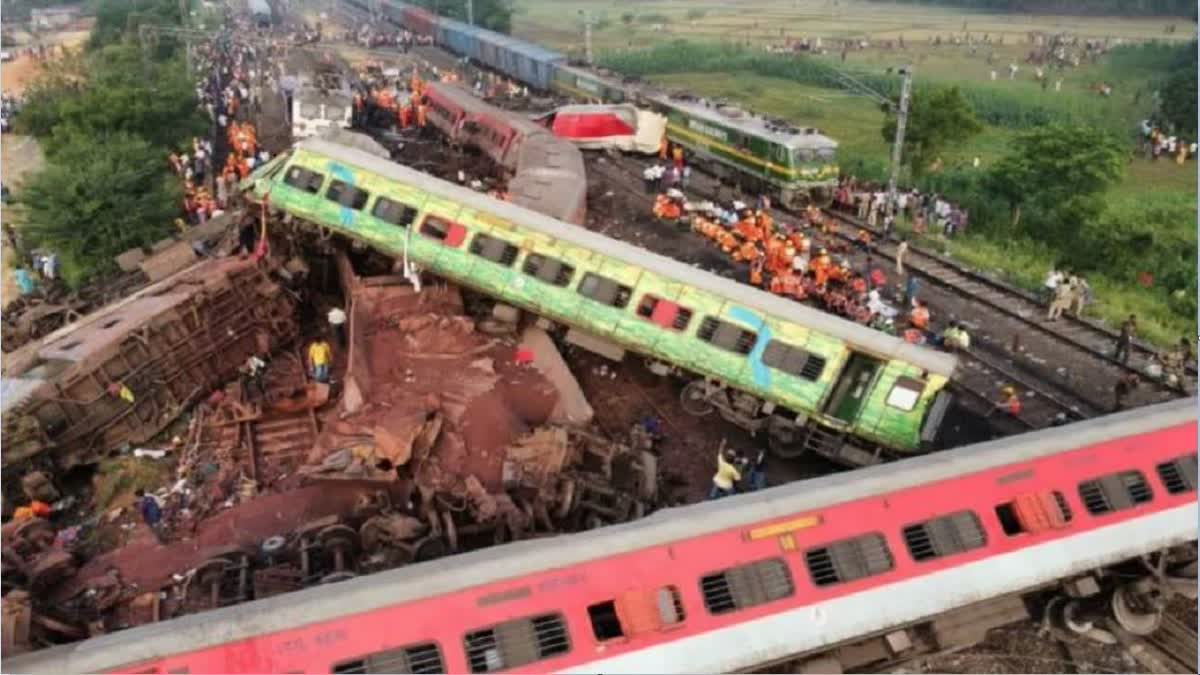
(696, 13)
(653, 18)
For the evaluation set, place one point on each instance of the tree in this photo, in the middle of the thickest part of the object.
(1061, 167)
(1179, 95)
(114, 90)
(98, 197)
(936, 118)
(116, 19)
(491, 14)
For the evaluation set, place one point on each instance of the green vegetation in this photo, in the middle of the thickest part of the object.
(1108, 7)
(117, 479)
(937, 118)
(104, 119)
(491, 14)
(1179, 93)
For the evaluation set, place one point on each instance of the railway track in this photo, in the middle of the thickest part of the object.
(982, 370)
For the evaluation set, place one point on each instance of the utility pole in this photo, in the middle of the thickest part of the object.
(901, 120)
(471, 12)
(587, 34)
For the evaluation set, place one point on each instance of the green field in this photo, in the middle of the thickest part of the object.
(769, 85)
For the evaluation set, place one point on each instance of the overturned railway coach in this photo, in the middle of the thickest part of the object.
(915, 557)
(796, 166)
(807, 379)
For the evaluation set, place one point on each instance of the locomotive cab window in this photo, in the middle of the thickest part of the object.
(605, 291)
(1115, 492)
(1034, 512)
(346, 195)
(303, 179)
(1178, 475)
(727, 336)
(793, 360)
(664, 313)
(547, 269)
(420, 659)
(956, 533)
(516, 643)
(393, 213)
(494, 249)
(746, 586)
(905, 393)
(849, 560)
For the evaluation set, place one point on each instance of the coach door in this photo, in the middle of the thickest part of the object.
(852, 387)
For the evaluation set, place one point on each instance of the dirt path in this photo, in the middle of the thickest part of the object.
(19, 156)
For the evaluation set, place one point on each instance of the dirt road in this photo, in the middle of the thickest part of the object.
(19, 156)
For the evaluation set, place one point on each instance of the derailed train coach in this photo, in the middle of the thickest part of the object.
(809, 381)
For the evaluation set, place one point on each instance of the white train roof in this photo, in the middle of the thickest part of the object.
(448, 575)
(856, 335)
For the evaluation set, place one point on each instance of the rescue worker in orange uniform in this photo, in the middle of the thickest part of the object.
(421, 113)
(1010, 402)
(919, 316)
(765, 224)
(756, 271)
(727, 241)
(748, 252)
(747, 228)
(820, 267)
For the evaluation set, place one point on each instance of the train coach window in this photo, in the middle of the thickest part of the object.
(445, 231)
(1114, 492)
(494, 249)
(636, 612)
(727, 335)
(421, 658)
(746, 586)
(303, 179)
(849, 559)
(516, 643)
(956, 533)
(1179, 474)
(393, 213)
(664, 313)
(905, 393)
(347, 195)
(793, 360)
(605, 290)
(1034, 512)
(547, 269)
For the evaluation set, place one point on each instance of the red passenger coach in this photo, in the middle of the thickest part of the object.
(725, 585)
(418, 20)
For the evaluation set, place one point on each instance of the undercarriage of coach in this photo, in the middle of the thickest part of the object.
(1128, 604)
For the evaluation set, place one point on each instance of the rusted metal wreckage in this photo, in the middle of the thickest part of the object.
(122, 374)
(423, 465)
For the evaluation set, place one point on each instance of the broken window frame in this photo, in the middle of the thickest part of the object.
(621, 294)
(535, 266)
(838, 556)
(448, 227)
(484, 245)
(944, 536)
(711, 329)
(1117, 491)
(1175, 477)
(477, 653)
(396, 660)
(744, 586)
(383, 208)
(680, 320)
(338, 191)
(793, 360)
(1010, 519)
(305, 185)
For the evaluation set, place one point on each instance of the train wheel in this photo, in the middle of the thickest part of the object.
(694, 399)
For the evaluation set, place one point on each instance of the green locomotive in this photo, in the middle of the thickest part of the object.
(796, 166)
(809, 380)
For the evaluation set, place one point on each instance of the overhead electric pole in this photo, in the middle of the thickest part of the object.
(471, 12)
(901, 121)
(587, 34)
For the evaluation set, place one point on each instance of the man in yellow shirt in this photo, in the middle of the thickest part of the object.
(320, 354)
(726, 476)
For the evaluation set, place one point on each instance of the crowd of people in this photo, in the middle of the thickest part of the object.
(923, 210)
(1155, 143)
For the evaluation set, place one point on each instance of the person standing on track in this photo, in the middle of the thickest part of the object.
(1125, 339)
(901, 253)
(1124, 386)
(727, 474)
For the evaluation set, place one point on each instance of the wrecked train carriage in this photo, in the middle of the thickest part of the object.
(122, 374)
(808, 380)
